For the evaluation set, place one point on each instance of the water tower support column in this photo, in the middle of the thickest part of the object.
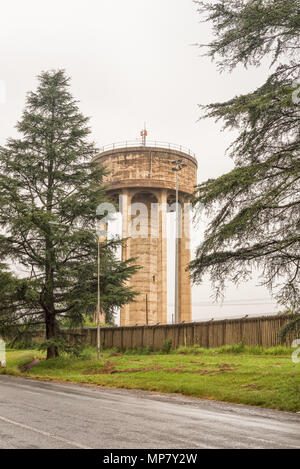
(162, 258)
(126, 219)
(185, 291)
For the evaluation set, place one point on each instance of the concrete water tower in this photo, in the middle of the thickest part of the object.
(142, 178)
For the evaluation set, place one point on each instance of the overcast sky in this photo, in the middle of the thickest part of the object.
(131, 61)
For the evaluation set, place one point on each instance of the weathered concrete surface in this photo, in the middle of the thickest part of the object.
(143, 175)
(36, 414)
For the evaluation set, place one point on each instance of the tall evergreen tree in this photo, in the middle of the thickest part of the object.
(49, 191)
(256, 206)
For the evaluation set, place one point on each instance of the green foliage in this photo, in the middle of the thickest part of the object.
(139, 351)
(234, 349)
(49, 191)
(73, 350)
(288, 312)
(23, 344)
(292, 328)
(260, 377)
(254, 209)
(12, 297)
(150, 348)
(166, 346)
(246, 31)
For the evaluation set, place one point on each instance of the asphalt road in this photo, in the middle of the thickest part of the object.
(35, 414)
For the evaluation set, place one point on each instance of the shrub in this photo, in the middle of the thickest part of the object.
(73, 350)
(23, 344)
(167, 345)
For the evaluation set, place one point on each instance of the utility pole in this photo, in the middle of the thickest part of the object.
(98, 304)
(101, 231)
(178, 166)
(146, 310)
(176, 254)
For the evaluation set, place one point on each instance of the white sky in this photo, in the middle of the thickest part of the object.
(130, 61)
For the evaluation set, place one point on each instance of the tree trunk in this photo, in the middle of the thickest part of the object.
(52, 350)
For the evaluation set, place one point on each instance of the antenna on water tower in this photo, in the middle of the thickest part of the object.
(144, 134)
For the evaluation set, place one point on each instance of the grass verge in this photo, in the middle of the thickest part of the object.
(238, 374)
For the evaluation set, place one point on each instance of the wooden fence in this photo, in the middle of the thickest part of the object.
(252, 331)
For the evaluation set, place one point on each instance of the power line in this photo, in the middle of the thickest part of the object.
(216, 305)
(233, 304)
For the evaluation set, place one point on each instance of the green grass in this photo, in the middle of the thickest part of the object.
(240, 374)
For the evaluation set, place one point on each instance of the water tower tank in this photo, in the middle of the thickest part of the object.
(141, 176)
